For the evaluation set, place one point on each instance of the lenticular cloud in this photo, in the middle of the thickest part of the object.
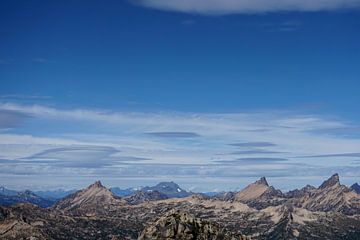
(222, 7)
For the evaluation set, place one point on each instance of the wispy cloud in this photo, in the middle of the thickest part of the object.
(343, 131)
(253, 161)
(352, 155)
(74, 157)
(24, 96)
(131, 159)
(255, 151)
(222, 7)
(96, 143)
(253, 144)
(76, 152)
(174, 134)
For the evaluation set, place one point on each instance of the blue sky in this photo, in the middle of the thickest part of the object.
(211, 94)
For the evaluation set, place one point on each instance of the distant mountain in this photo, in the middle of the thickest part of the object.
(54, 194)
(300, 193)
(170, 189)
(332, 196)
(260, 195)
(145, 196)
(212, 194)
(225, 196)
(89, 201)
(26, 197)
(122, 192)
(355, 187)
(7, 192)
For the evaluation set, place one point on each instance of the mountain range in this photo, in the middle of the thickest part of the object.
(259, 211)
(163, 190)
(10, 197)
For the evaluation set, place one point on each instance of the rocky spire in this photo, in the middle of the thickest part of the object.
(262, 181)
(333, 180)
(96, 184)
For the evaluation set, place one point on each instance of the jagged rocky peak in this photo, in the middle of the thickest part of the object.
(332, 196)
(253, 191)
(260, 195)
(332, 181)
(92, 198)
(96, 189)
(262, 181)
(96, 184)
(308, 187)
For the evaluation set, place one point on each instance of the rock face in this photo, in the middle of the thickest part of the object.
(356, 188)
(91, 201)
(260, 195)
(26, 197)
(15, 226)
(142, 197)
(334, 180)
(332, 196)
(170, 189)
(182, 225)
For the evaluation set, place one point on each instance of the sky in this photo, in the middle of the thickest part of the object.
(211, 94)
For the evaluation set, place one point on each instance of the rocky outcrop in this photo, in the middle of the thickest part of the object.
(182, 225)
(14, 225)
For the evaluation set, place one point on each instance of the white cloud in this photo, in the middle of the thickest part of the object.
(203, 139)
(24, 96)
(222, 7)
